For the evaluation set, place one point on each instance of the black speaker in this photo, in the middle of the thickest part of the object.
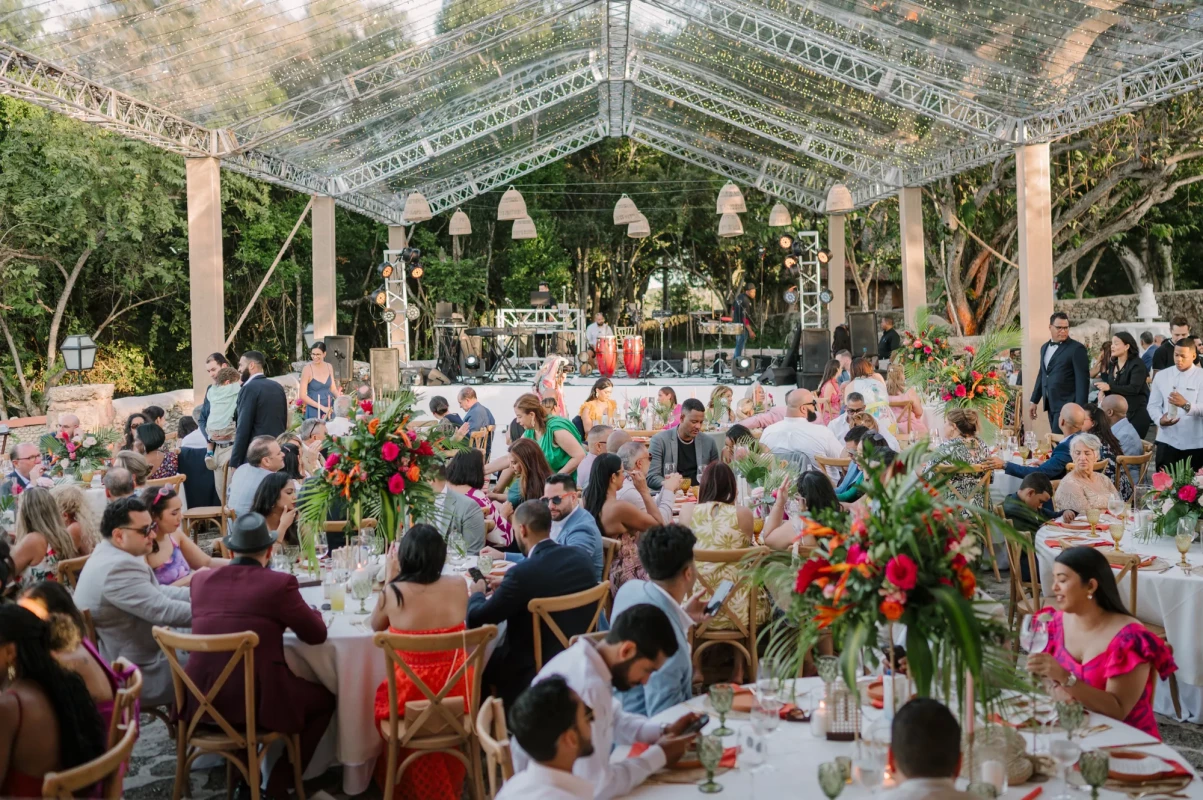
(340, 353)
(862, 325)
(809, 380)
(779, 376)
(815, 349)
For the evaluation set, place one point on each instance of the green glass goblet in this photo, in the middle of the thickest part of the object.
(710, 753)
(1095, 766)
(1071, 715)
(831, 779)
(722, 695)
(829, 669)
(983, 789)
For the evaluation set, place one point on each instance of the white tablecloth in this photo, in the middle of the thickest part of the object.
(795, 755)
(1171, 599)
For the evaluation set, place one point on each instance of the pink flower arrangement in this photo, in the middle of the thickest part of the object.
(389, 451)
(1176, 492)
(1162, 481)
(902, 571)
(960, 391)
(332, 460)
(396, 483)
(365, 406)
(1188, 493)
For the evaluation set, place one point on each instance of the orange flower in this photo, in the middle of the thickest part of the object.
(373, 425)
(338, 477)
(891, 610)
(816, 530)
(828, 614)
(413, 473)
(968, 582)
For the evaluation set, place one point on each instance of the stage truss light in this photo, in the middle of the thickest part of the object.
(472, 368)
(823, 256)
(412, 313)
(785, 241)
(791, 262)
(742, 368)
(380, 297)
(417, 271)
(388, 315)
(386, 270)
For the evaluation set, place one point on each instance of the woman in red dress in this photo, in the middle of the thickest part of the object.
(419, 600)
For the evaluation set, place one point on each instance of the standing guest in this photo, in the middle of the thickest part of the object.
(262, 406)
(1082, 488)
(317, 380)
(667, 398)
(962, 445)
(666, 553)
(264, 457)
(599, 406)
(1097, 653)
(419, 599)
(912, 414)
(119, 588)
(1064, 374)
(132, 422)
(1163, 356)
(439, 408)
(78, 517)
(1073, 420)
(313, 433)
(549, 570)
(1030, 509)
(156, 415)
(246, 595)
(118, 482)
(553, 726)
(1147, 348)
(173, 556)
(890, 340)
(41, 540)
(639, 643)
(872, 387)
(636, 461)
(69, 643)
(1128, 379)
(829, 394)
(455, 514)
(798, 433)
(743, 312)
(276, 501)
(223, 401)
(213, 365)
(596, 442)
(571, 524)
(925, 752)
(1176, 402)
(682, 446)
(163, 463)
(27, 468)
(557, 437)
(1100, 426)
(48, 723)
(619, 519)
(1102, 363)
(841, 341)
(466, 475)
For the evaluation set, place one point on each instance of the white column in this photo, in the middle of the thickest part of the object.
(325, 291)
(1035, 261)
(206, 287)
(914, 278)
(837, 284)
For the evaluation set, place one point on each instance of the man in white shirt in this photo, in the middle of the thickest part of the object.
(340, 423)
(925, 752)
(597, 329)
(1176, 405)
(640, 640)
(799, 433)
(855, 404)
(636, 460)
(263, 457)
(595, 445)
(552, 725)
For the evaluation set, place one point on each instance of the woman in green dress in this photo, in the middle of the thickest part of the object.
(557, 437)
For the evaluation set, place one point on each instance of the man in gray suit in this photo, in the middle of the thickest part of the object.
(456, 513)
(119, 588)
(683, 447)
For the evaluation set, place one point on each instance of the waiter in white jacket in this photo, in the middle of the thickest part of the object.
(1176, 405)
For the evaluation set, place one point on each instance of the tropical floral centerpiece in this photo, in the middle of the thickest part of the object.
(634, 410)
(1177, 494)
(663, 412)
(83, 452)
(976, 379)
(379, 469)
(924, 349)
(719, 413)
(764, 475)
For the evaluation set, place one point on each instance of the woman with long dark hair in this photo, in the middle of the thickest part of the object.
(46, 715)
(466, 475)
(132, 423)
(817, 496)
(276, 500)
(526, 475)
(619, 519)
(1100, 426)
(163, 463)
(1128, 377)
(830, 395)
(419, 599)
(1097, 653)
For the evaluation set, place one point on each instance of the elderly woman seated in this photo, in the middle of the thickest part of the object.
(1082, 488)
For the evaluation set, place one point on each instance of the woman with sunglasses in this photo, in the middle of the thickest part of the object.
(174, 557)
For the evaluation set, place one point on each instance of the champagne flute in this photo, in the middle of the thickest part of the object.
(321, 544)
(1116, 529)
(670, 467)
(1115, 507)
(1092, 516)
(710, 753)
(722, 695)
(1033, 638)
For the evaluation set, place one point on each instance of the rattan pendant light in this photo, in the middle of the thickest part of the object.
(730, 200)
(639, 229)
(839, 199)
(460, 224)
(779, 217)
(416, 208)
(625, 211)
(730, 225)
(524, 228)
(512, 205)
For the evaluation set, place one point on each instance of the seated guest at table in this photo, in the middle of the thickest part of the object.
(419, 599)
(1082, 488)
(854, 405)
(136, 463)
(641, 640)
(558, 438)
(524, 478)
(119, 588)
(910, 418)
(817, 496)
(682, 446)
(1097, 424)
(174, 557)
(27, 469)
(596, 442)
(78, 517)
(475, 414)
(961, 446)
(745, 414)
(722, 395)
(1097, 653)
(1030, 509)
(636, 459)
(163, 463)
(263, 457)
(666, 553)
(872, 387)
(340, 423)
(456, 514)
(156, 415)
(873, 451)
(41, 540)
(798, 437)
(246, 595)
(185, 427)
(549, 570)
(829, 394)
(925, 752)
(667, 398)
(48, 723)
(276, 501)
(118, 482)
(1115, 407)
(737, 436)
(439, 407)
(599, 406)
(617, 438)
(313, 434)
(466, 475)
(849, 485)
(1127, 380)
(620, 519)
(132, 423)
(1072, 420)
(571, 524)
(292, 461)
(553, 726)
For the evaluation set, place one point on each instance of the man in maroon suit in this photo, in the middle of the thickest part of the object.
(246, 595)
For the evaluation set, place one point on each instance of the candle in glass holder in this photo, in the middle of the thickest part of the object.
(994, 773)
(818, 721)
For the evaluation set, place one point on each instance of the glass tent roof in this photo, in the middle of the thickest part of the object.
(367, 100)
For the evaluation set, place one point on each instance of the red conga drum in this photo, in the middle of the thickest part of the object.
(607, 356)
(632, 355)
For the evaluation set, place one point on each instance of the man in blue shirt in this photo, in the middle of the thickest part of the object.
(571, 524)
(666, 552)
(1072, 419)
(476, 415)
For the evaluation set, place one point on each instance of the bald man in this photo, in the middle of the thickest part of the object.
(1072, 419)
(1115, 407)
(68, 424)
(618, 437)
(798, 433)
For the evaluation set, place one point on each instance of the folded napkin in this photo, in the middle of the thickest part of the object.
(1072, 526)
(726, 762)
(1076, 541)
(1147, 562)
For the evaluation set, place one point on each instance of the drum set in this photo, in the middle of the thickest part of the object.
(715, 327)
(632, 356)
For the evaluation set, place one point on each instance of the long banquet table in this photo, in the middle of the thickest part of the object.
(794, 756)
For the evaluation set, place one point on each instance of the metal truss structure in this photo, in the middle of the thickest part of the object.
(892, 98)
(810, 283)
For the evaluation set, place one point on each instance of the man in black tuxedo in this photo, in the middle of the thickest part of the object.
(262, 408)
(549, 570)
(1064, 375)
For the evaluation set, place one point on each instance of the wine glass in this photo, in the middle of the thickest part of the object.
(321, 545)
(1033, 638)
(1065, 752)
(1095, 767)
(457, 550)
(710, 753)
(361, 589)
(1115, 507)
(1116, 529)
(670, 467)
(722, 695)
(1071, 715)
(831, 779)
(1092, 516)
(1182, 540)
(766, 679)
(870, 764)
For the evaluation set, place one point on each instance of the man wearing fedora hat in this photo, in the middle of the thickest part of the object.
(246, 595)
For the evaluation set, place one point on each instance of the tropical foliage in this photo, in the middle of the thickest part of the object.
(83, 452)
(923, 348)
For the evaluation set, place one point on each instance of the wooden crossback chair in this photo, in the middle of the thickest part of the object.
(68, 570)
(979, 495)
(106, 769)
(125, 699)
(841, 464)
(90, 627)
(175, 482)
(610, 549)
(193, 517)
(1025, 595)
(743, 634)
(495, 741)
(442, 722)
(1126, 462)
(541, 609)
(904, 414)
(479, 439)
(1130, 569)
(597, 637)
(195, 734)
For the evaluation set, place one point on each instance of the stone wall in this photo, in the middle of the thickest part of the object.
(91, 402)
(1122, 308)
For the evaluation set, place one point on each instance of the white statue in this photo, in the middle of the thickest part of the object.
(1146, 308)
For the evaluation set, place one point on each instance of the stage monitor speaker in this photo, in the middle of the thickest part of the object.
(809, 380)
(862, 325)
(815, 349)
(340, 352)
(386, 369)
(779, 376)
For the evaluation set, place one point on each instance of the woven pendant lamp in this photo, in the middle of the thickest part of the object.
(730, 200)
(460, 224)
(639, 229)
(524, 228)
(779, 216)
(729, 225)
(839, 199)
(416, 208)
(512, 205)
(625, 211)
